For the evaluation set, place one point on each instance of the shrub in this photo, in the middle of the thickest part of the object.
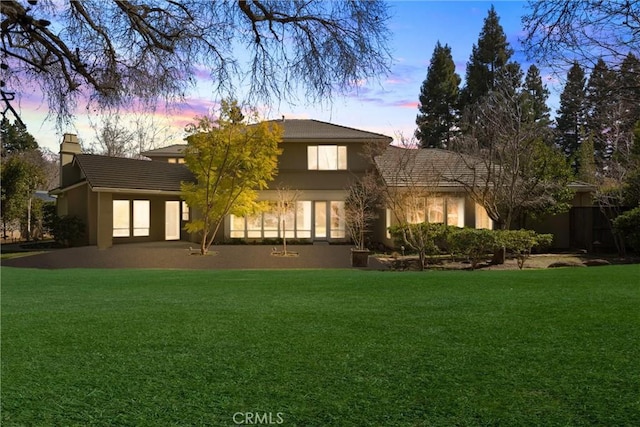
(628, 226)
(519, 243)
(473, 243)
(66, 229)
(421, 238)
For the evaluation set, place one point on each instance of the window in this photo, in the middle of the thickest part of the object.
(121, 218)
(482, 218)
(455, 211)
(303, 219)
(140, 217)
(172, 160)
(415, 210)
(337, 220)
(434, 209)
(327, 157)
(122, 215)
(185, 211)
(237, 226)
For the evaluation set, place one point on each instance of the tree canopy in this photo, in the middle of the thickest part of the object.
(558, 32)
(118, 50)
(230, 159)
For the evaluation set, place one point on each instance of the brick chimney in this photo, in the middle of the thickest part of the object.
(68, 149)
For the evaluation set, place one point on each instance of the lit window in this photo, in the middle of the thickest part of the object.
(173, 160)
(181, 160)
(482, 218)
(387, 224)
(415, 210)
(254, 226)
(140, 217)
(337, 220)
(303, 219)
(270, 223)
(327, 157)
(455, 211)
(237, 226)
(185, 211)
(121, 218)
(435, 210)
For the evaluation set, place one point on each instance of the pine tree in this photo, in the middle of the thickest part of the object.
(602, 109)
(15, 138)
(438, 99)
(571, 116)
(629, 90)
(536, 95)
(488, 57)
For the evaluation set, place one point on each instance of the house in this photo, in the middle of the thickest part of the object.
(121, 200)
(431, 185)
(318, 163)
(129, 200)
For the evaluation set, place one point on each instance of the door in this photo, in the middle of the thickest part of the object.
(320, 221)
(172, 220)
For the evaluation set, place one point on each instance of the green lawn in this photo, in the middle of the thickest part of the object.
(321, 348)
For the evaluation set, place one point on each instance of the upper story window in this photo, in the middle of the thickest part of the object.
(179, 160)
(327, 157)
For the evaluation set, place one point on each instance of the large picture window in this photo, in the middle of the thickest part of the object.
(327, 157)
(482, 218)
(141, 218)
(436, 210)
(128, 221)
(121, 218)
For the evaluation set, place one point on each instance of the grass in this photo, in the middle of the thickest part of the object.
(321, 348)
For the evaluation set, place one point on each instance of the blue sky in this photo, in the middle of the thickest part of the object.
(388, 105)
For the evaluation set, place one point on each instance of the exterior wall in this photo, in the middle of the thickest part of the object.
(293, 169)
(74, 202)
(157, 217)
(572, 229)
(311, 185)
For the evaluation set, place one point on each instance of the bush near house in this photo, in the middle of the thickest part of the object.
(66, 229)
(471, 243)
(628, 226)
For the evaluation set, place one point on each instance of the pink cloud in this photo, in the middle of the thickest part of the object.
(404, 104)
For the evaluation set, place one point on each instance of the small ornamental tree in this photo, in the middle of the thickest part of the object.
(363, 197)
(520, 243)
(421, 237)
(230, 161)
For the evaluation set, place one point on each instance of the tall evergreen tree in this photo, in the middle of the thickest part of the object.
(438, 100)
(602, 109)
(488, 57)
(571, 116)
(15, 138)
(629, 90)
(536, 95)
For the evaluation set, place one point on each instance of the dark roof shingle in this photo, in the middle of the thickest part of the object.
(427, 167)
(132, 174)
(295, 130)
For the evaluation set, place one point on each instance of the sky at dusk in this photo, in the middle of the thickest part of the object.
(387, 106)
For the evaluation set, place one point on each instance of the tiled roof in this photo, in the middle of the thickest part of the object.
(298, 129)
(295, 130)
(426, 167)
(132, 174)
(170, 151)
